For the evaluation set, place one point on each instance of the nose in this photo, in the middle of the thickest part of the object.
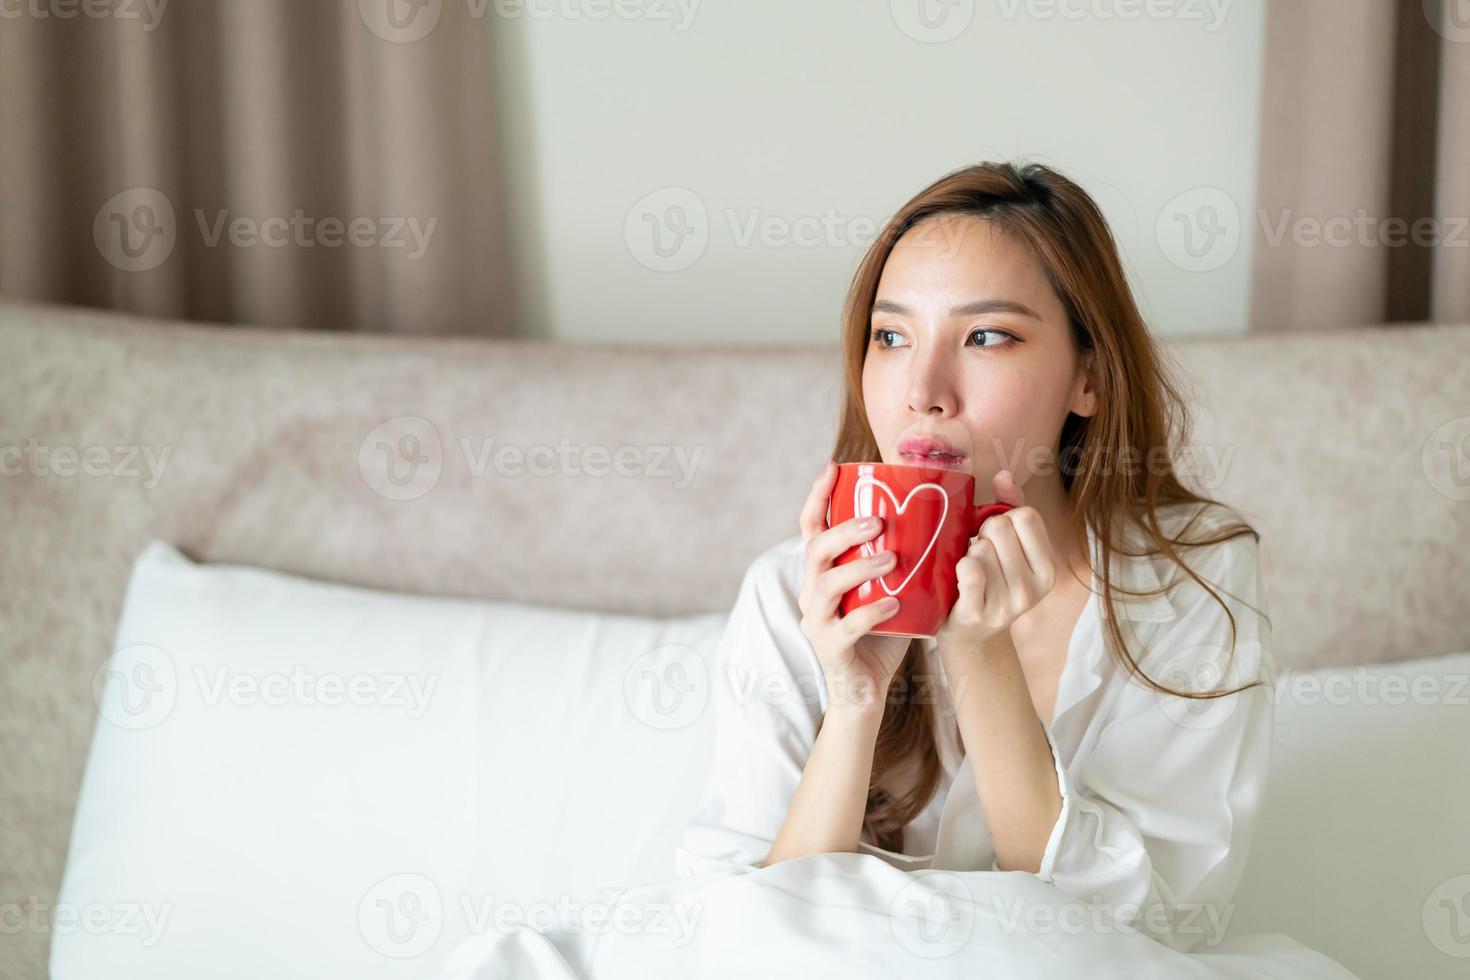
(931, 389)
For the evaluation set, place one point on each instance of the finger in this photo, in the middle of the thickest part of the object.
(827, 546)
(1001, 533)
(814, 512)
(970, 571)
(1036, 545)
(1007, 490)
(838, 580)
(994, 593)
(862, 619)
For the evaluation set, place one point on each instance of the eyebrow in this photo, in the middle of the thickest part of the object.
(976, 308)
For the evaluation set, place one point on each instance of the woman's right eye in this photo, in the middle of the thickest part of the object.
(880, 334)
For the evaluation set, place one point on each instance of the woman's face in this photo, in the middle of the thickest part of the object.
(970, 347)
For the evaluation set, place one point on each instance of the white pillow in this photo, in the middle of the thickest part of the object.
(295, 779)
(1363, 846)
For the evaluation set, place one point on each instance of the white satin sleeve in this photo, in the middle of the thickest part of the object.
(1155, 827)
(767, 694)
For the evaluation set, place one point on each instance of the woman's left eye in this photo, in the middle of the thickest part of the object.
(1003, 339)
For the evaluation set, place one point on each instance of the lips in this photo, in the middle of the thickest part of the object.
(930, 451)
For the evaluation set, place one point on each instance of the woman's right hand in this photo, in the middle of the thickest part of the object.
(858, 666)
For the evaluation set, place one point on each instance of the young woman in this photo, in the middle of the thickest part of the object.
(1095, 710)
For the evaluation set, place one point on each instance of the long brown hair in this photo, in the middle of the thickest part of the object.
(1141, 411)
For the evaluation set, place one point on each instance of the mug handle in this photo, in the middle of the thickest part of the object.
(984, 512)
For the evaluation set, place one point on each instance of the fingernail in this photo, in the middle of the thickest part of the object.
(868, 523)
(883, 559)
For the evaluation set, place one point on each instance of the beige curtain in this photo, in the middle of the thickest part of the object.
(315, 163)
(1364, 123)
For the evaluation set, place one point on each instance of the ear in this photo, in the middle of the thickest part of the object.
(1084, 394)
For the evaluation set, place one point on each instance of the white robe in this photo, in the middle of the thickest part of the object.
(1159, 793)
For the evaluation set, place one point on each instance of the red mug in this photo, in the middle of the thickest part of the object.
(929, 517)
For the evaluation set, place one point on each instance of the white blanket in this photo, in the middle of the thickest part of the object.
(855, 915)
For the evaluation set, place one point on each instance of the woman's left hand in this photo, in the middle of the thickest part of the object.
(1009, 568)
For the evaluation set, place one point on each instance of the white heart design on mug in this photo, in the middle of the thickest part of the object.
(867, 547)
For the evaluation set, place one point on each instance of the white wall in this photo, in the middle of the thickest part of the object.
(820, 117)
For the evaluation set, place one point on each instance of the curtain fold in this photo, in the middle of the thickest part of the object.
(1451, 275)
(328, 164)
(1365, 131)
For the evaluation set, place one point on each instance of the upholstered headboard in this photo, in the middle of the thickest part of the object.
(646, 480)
